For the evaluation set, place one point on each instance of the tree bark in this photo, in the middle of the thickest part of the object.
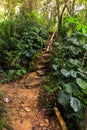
(60, 15)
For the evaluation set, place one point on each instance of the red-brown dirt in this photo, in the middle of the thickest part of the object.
(21, 99)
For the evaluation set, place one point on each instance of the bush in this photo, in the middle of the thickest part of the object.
(70, 77)
(17, 49)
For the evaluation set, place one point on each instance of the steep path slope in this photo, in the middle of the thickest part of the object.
(21, 98)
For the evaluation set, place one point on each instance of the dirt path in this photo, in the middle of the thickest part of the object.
(21, 98)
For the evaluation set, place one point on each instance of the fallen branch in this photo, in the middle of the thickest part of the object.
(60, 119)
(49, 47)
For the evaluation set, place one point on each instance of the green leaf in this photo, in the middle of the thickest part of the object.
(75, 42)
(74, 61)
(65, 72)
(71, 20)
(68, 88)
(75, 104)
(64, 98)
(19, 72)
(11, 72)
(69, 33)
(73, 73)
(55, 66)
(81, 83)
(74, 50)
(79, 27)
(23, 71)
(84, 29)
(56, 44)
(85, 46)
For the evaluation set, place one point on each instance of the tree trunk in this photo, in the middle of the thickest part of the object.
(60, 15)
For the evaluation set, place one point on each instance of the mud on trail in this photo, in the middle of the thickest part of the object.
(21, 99)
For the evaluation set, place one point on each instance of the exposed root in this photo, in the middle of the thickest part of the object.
(60, 119)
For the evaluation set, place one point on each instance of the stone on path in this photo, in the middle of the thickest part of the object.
(40, 72)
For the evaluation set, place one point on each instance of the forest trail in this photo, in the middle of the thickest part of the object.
(22, 97)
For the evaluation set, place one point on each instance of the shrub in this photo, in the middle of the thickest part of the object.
(70, 77)
(18, 49)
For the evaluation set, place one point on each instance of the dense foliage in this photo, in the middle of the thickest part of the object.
(70, 76)
(23, 36)
(18, 49)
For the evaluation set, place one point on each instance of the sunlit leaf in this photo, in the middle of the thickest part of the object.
(65, 72)
(81, 83)
(85, 46)
(68, 88)
(78, 27)
(55, 66)
(71, 20)
(73, 73)
(64, 98)
(75, 104)
(74, 61)
(84, 29)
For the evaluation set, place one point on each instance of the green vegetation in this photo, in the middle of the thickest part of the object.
(17, 51)
(24, 29)
(70, 76)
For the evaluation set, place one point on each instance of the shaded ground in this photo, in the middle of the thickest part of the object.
(21, 98)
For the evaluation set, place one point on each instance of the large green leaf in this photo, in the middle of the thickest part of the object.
(85, 46)
(65, 72)
(74, 61)
(73, 73)
(68, 88)
(75, 104)
(64, 98)
(81, 83)
(79, 26)
(74, 50)
(71, 19)
(55, 66)
(84, 29)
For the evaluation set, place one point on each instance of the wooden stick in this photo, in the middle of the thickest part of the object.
(49, 47)
(60, 119)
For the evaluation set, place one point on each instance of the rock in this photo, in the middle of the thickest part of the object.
(46, 121)
(40, 72)
(6, 100)
(44, 128)
(43, 110)
(40, 66)
(41, 124)
(34, 83)
(27, 109)
(45, 54)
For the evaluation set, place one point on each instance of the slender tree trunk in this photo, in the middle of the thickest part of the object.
(60, 15)
(30, 5)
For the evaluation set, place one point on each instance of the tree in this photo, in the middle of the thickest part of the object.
(61, 6)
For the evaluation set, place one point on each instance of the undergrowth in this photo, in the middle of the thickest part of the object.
(68, 82)
(20, 46)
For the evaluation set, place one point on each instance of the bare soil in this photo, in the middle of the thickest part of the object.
(22, 97)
